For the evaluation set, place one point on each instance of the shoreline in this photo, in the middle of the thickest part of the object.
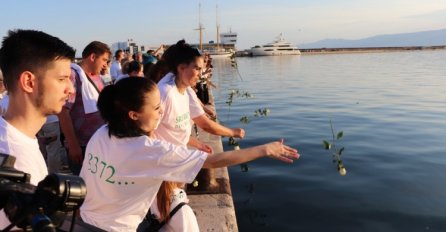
(316, 51)
(311, 51)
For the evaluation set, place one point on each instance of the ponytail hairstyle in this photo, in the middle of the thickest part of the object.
(164, 199)
(115, 102)
(180, 53)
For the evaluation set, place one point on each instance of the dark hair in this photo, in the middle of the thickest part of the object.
(180, 53)
(115, 101)
(30, 50)
(134, 66)
(117, 52)
(136, 54)
(158, 71)
(147, 67)
(96, 47)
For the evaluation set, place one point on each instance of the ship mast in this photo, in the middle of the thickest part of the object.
(218, 30)
(200, 26)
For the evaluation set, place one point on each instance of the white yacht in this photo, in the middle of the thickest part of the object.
(277, 48)
(219, 53)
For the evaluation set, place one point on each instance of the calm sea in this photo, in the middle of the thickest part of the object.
(392, 110)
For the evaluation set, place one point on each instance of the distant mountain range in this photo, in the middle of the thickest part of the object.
(423, 38)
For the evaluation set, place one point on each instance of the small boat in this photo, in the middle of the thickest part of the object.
(276, 48)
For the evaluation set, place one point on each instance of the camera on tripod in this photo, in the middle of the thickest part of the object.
(37, 208)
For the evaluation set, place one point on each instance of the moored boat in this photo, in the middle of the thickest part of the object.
(276, 48)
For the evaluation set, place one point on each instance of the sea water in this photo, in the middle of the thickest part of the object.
(391, 108)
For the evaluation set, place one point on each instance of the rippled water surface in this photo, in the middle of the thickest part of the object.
(392, 110)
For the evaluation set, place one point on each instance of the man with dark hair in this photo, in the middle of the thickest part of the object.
(80, 117)
(36, 70)
(116, 69)
(137, 56)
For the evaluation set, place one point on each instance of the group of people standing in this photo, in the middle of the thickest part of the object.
(130, 140)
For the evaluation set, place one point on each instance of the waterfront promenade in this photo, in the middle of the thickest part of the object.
(212, 200)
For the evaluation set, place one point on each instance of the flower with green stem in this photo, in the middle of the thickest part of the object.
(335, 151)
(235, 93)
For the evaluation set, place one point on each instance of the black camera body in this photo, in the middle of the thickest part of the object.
(42, 207)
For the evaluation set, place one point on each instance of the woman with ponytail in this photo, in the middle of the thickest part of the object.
(171, 198)
(126, 163)
(185, 64)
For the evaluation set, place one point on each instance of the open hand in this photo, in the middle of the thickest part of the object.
(206, 148)
(282, 152)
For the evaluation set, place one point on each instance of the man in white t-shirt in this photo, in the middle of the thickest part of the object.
(36, 89)
(116, 69)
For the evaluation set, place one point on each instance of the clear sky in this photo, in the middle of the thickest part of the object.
(150, 22)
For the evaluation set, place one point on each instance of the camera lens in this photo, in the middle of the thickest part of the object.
(62, 192)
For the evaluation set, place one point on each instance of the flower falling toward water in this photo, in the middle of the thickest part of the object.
(336, 152)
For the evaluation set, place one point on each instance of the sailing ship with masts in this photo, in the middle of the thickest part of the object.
(225, 46)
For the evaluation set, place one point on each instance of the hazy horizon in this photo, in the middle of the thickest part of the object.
(256, 22)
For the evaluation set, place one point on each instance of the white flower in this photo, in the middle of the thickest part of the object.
(195, 183)
(342, 171)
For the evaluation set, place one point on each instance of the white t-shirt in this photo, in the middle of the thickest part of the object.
(194, 103)
(29, 159)
(123, 176)
(115, 69)
(184, 219)
(175, 125)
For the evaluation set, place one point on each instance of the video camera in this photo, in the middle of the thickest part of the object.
(41, 208)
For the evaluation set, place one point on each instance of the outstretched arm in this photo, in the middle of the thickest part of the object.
(215, 128)
(275, 150)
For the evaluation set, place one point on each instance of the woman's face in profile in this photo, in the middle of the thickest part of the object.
(150, 114)
(191, 72)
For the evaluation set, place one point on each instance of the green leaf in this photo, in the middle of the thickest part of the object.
(326, 145)
(245, 119)
(232, 142)
(340, 134)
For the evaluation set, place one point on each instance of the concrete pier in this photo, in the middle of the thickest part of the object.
(212, 199)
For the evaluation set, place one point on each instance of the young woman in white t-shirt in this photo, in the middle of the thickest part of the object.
(125, 163)
(170, 196)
